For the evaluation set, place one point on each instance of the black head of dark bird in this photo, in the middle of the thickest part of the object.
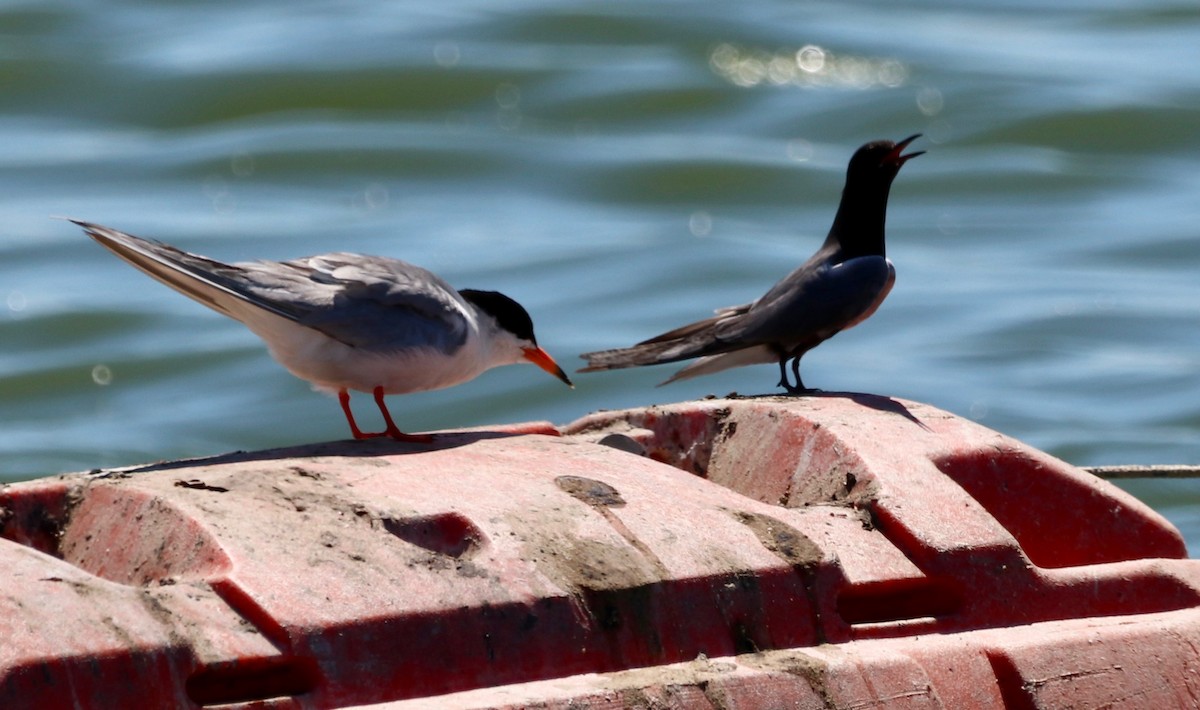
(858, 228)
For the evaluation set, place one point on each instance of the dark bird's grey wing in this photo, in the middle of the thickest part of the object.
(806, 307)
(812, 304)
(366, 302)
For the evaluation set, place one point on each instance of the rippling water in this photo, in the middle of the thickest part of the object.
(620, 168)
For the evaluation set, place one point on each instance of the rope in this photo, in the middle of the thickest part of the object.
(1136, 471)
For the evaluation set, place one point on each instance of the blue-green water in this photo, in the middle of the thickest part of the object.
(620, 168)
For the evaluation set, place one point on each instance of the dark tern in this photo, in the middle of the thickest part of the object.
(351, 322)
(839, 287)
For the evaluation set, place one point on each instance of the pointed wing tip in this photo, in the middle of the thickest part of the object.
(81, 222)
(680, 374)
(85, 225)
(93, 230)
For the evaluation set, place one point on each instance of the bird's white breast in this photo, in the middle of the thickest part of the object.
(332, 365)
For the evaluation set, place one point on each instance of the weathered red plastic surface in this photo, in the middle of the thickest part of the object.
(832, 551)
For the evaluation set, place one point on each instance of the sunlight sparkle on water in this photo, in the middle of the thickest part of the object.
(799, 150)
(102, 375)
(16, 301)
(930, 101)
(446, 54)
(809, 66)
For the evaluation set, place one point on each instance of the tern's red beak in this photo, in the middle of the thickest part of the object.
(539, 357)
(896, 157)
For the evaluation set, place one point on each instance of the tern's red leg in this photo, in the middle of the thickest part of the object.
(344, 400)
(393, 430)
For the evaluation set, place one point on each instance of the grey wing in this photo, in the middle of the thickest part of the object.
(813, 303)
(381, 303)
(362, 301)
(212, 283)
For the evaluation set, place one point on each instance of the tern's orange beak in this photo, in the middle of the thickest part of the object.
(539, 357)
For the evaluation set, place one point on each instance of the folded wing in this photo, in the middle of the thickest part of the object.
(361, 301)
(812, 304)
(808, 306)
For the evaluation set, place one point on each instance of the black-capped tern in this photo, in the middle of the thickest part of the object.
(351, 322)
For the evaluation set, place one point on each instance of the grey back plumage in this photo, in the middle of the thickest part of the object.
(368, 302)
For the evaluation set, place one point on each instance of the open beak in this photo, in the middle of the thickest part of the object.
(896, 157)
(539, 357)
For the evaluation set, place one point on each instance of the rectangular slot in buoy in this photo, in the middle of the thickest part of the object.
(898, 600)
(252, 680)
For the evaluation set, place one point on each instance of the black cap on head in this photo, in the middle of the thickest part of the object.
(509, 314)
